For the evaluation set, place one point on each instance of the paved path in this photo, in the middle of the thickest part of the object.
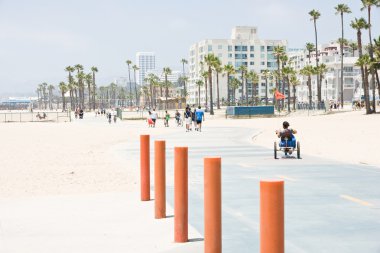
(329, 206)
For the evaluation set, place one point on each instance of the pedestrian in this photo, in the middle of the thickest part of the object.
(187, 116)
(167, 117)
(154, 117)
(194, 120)
(200, 116)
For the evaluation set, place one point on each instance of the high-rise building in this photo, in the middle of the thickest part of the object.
(244, 48)
(145, 61)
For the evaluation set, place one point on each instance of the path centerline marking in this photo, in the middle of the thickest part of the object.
(356, 200)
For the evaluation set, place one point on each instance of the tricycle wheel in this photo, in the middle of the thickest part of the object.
(298, 150)
(275, 150)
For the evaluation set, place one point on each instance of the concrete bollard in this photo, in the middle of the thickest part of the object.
(145, 167)
(180, 194)
(212, 205)
(159, 180)
(272, 216)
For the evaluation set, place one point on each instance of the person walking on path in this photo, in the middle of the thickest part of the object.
(194, 120)
(200, 116)
(167, 117)
(154, 117)
(187, 116)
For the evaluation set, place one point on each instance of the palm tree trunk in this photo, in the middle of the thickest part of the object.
(310, 92)
(166, 92)
(137, 102)
(199, 95)
(294, 97)
(246, 92)
(373, 85)
(288, 83)
(364, 74)
(206, 83)
(317, 61)
(228, 90)
(341, 63)
(210, 81)
(266, 91)
(217, 90)
(242, 87)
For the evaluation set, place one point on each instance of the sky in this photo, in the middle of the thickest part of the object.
(39, 38)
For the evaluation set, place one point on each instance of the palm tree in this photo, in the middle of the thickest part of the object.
(166, 71)
(354, 46)
(310, 47)
(278, 52)
(294, 82)
(218, 69)
(199, 84)
(314, 16)
(358, 25)
(50, 90)
(88, 79)
(44, 94)
(184, 61)
(204, 74)
(70, 83)
(243, 71)
(308, 71)
(267, 74)
(135, 68)
(364, 62)
(63, 88)
(80, 76)
(152, 79)
(210, 60)
(377, 61)
(229, 70)
(321, 71)
(94, 70)
(341, 9)
(235, 84)
(287, 73)
(368, 4)
(284, 60)
(129, 62)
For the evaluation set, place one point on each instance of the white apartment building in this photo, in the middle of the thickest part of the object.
(329, 54)
(145, 61)
(243, 48)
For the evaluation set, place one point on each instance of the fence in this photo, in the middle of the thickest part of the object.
(22, 116)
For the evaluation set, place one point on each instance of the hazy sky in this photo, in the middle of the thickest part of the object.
(39, 38)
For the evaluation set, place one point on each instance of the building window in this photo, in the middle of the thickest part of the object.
(229, 55)
(263, 63)
(230, 63)
(252, 55)
(220, 47)
(252, 63)
(251, 48)
(269, 48)
(237, 48)
(262, 48)
(209, 48)
(229, 48)
(244, 48)
(262, 56)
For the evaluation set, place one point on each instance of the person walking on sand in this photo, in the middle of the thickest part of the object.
(200, 116)
(154, 116)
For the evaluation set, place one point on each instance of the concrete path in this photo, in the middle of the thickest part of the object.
(329, 207)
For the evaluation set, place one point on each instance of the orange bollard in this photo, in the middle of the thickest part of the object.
(180, 194)
(272, 216)
(159, 180)
(213, 204)
(145, 167)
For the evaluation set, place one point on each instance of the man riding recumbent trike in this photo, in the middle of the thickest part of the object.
(288, 143)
